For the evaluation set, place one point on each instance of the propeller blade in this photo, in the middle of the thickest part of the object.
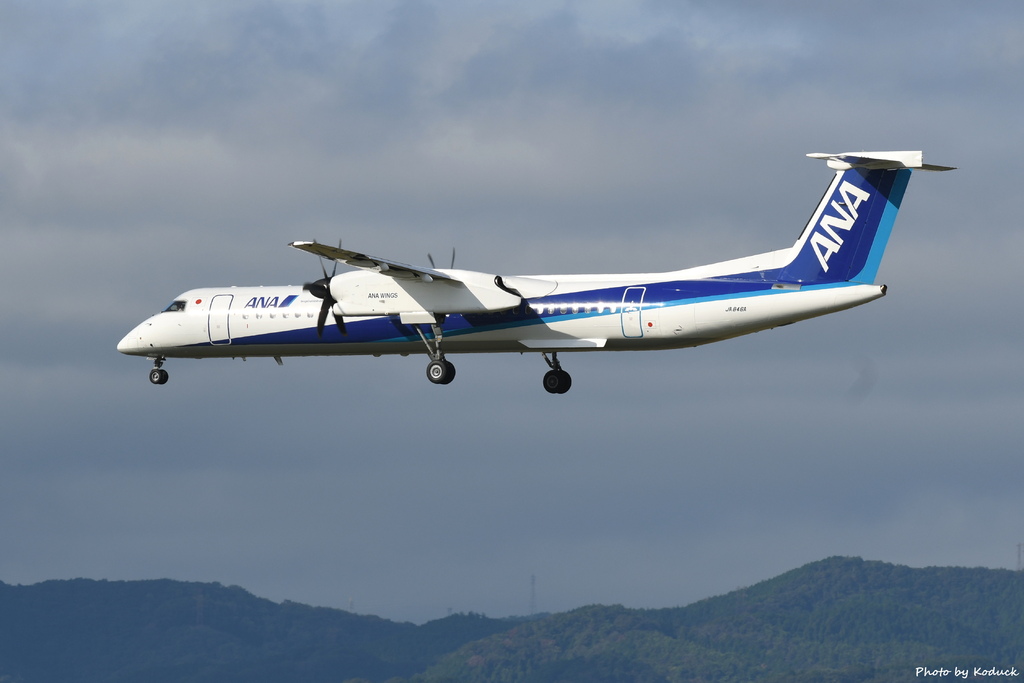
(321, 289)
(322, 318)
(431, 259)
(318, 289)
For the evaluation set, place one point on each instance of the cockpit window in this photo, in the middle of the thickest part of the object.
(175, 306)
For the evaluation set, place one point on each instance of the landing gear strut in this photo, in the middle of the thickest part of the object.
(439, 370)
(158, 375)
(556, 380)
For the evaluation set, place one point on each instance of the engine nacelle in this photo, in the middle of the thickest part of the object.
(369, 293)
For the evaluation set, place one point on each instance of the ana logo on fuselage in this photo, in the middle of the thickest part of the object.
(270, 301)
(825, 241)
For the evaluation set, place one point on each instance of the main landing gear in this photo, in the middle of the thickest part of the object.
(439, 370)
(556, 380)
(158, 375)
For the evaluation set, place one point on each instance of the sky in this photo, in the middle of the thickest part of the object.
(147, 148)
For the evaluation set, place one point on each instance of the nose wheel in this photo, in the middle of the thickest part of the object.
(158, 375)
(556, 380)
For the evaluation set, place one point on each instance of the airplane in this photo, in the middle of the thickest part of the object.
(388, 307)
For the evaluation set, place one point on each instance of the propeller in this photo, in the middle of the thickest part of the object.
(321, 289)
(431, 259)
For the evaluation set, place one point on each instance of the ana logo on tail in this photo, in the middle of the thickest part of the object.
(825, 241)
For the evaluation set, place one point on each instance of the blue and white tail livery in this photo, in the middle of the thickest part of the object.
(387, 307)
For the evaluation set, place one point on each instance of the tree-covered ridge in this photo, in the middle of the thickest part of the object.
(838, 619)
(841, 620)
(874, 604)
(83, 631)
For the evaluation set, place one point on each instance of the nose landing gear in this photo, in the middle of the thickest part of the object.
(158, 375)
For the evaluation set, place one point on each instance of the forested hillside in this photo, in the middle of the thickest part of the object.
(84, 631)
(839, 620)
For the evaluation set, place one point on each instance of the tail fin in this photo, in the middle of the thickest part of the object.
(848, 231)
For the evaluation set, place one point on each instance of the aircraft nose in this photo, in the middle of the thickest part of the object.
(132, 342)
(127, 344)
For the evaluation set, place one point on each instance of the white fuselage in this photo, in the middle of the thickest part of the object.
(623, 312)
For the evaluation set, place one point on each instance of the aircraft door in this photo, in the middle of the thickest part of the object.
(632, 312)
(218, 323)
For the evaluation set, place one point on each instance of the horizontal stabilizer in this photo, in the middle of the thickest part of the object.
(878, 161)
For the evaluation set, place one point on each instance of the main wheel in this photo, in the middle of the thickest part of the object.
(158, 376)
(557, 381)
(440, 372)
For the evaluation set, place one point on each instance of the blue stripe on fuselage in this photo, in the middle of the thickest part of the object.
(587, 303)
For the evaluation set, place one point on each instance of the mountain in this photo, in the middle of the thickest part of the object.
(840, 620)
(84, 631)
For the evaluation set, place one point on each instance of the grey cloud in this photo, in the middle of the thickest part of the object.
(145, 150)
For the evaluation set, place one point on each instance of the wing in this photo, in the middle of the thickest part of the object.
(389, 287)
(374, 263)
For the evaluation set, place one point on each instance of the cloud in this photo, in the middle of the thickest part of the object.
(149, 148)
